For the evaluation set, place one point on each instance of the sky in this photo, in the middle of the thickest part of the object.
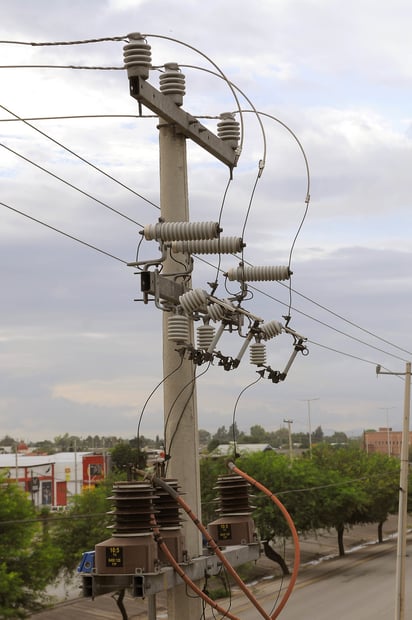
(332, 82)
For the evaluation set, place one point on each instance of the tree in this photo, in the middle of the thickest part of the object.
(125, 458)
(81, 527)
(28, 559)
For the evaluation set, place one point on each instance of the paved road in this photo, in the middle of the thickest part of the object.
(359, 586)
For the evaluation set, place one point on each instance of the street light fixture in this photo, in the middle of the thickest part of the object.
(289, 423)
(309, 400)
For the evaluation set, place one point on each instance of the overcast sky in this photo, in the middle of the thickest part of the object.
(77, 353)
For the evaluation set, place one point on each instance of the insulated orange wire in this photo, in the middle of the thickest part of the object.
(292, 528)
(214, 546)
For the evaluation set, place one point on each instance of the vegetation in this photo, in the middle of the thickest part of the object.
(28, 559)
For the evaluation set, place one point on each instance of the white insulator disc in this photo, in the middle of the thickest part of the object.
(259, 273)
(257, 353)
(193, 300)
(205, 336)
(271, 329)
(178, 328)
(215, 311)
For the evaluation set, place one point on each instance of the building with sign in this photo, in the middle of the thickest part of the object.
(52, 479)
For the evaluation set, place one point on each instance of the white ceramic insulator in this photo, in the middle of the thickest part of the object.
(193, 300)
(178, 328)
(137, 56)
(223, 245)
(257, 353)
(181, 231)
(259, 274)
(205, 336)
(271, 329)
(172, 82)
(229, 129)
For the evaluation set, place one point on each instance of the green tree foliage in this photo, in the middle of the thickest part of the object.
(126, 458)
(28, 559)
(84, 525)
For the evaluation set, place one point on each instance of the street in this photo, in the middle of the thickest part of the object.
(359, 586)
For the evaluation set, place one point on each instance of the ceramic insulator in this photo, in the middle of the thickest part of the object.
(137, 56)
(193, 300)
(228, 129)
(223, 245)
(205, 336)
(271, 329)
(172, 82)
(259, 274)
(178, 328)
(181, 231)
(257, 353)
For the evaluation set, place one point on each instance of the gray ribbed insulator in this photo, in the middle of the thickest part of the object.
(217, 312)
(172, 82)
(262, 273)
(137, 56)
(228, 129)
(271, 329)
(181, 231)
(178, 328)
(223, 245)
(257, 353)
(193, 300)
(205, 336)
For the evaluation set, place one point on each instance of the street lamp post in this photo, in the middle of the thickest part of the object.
(309, 400)
(289, 423)
(387, 428)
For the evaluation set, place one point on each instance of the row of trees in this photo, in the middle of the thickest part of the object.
(336, 488)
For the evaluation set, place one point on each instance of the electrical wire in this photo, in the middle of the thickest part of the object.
(61, 232)
(292, 529)
(234, 411)
(83, 159)
(71, 185)
(57, 43)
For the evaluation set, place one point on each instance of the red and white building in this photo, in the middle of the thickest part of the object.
(52, 479)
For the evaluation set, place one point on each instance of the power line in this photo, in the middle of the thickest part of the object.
(45, 135)
(61, 232)
(81, 191)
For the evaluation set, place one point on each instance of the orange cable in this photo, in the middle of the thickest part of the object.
(292, 528)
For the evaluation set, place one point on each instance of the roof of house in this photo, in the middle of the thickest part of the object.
(226, 449)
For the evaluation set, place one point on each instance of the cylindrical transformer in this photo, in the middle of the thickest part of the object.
(235, 525)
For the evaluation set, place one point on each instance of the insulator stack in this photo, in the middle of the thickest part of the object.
(132, 547)
(217, 311)
(205, 336)
(271, 329)
(235, 525)
(169, 521)
(133, 505)
(228, 129)
(181, 231)
(234, 496)
(172, 83)
(167, 508)
(193, 300)
(257, 353)
(244, 273)
(137, 56)
(223, 245)
(178, 328)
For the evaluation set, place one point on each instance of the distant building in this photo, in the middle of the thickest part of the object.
(384, 440)
(52, 479)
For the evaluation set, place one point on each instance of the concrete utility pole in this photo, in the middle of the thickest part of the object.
(403, 495)
(181, 428)
(180, 403)
(388, 429)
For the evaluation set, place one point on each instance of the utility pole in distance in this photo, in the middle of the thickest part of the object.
(180, 402)
(403, 494)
